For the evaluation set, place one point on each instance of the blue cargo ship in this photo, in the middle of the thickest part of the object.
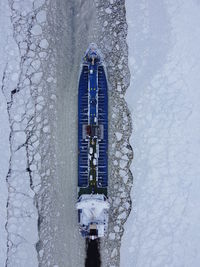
(92, 202)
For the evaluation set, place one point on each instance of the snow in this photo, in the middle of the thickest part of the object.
(163, 226)
(20, 162)
(162, 229)
(91, 150)
(4, 148)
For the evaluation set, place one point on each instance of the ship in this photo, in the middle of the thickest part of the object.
(92, 203)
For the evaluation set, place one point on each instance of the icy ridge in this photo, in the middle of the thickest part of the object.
(112, 40)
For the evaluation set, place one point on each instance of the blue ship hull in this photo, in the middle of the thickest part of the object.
(92, 138)
(92, 103)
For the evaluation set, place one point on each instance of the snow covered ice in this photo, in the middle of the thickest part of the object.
(163, 227)
(38, 102)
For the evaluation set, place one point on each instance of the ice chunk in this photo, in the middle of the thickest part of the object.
(46, 129)
(114, 253)
(123, 164)
(123, 215)
(41, 16)
(112, 236)
(118, 154)
(36, 30)
(119, 88)
(108, 10)
(116, 229)
(115, 163)
(118, 135)
(36, 77)
(44, 44)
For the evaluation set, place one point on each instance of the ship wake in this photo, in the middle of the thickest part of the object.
(93, 253)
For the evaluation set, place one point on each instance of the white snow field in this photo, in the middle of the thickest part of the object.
(4, 134)
(163, 228)
(18, 214)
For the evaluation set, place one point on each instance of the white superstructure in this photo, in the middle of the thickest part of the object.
(93, 214)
